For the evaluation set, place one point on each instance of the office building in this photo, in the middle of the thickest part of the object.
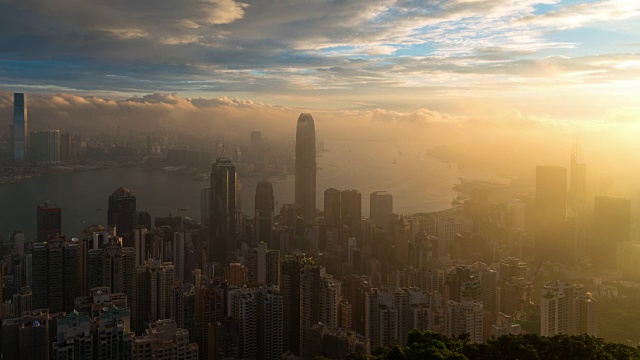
(551, 211)
(351, 213)
(611, 226)
(222, 224)
(49, 221)
(205, 206)
(332, 210)
(264, 212)
(381, 208)
(47, 147)
(20, 129)
(122, 214)
(305, 182)
(164, 340)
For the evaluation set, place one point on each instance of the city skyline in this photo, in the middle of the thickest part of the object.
(322, 179)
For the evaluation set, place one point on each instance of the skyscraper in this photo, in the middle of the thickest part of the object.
(49, 221)
(578, 187)
(223, 210)
(306, 167)
(332, 209)
(351, 212)
(122, 214)
(264, 204)
(551, 212)
(611, 226)
(381, 207)
(290, 287)
(20, 128)
(205, 206)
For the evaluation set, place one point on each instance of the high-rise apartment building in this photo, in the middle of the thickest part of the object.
(49, 221)
(557, 309)
(305, 183)
(585, 315)
(465, 317)
(390, 315)
(210, 310)
(222, 224)
(446, 230)
(319, 299)
(184, 300)
(164, 340)
(73, 337)
(56, 275)
(154, 293)
(258, 317)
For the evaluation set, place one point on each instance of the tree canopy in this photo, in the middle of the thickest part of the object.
(431, 345)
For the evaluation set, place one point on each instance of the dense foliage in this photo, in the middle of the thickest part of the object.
(430, 345)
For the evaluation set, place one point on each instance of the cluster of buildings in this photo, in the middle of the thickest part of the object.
(44, 147)
(297, 282)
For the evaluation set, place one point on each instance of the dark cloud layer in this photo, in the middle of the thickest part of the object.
(353, 49)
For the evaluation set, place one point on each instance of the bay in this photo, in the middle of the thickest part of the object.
(418, 183)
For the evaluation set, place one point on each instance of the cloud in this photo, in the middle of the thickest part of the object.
(345, 53)
(584, 13)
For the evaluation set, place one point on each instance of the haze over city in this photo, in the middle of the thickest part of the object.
(319, 179)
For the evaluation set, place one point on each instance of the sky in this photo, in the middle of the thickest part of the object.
(400, 55)
(497, 71)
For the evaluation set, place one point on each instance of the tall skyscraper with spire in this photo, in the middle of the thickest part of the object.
(306, 167)
(20, 130)
(223, 210)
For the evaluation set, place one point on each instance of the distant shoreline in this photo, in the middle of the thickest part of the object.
(37, 172)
